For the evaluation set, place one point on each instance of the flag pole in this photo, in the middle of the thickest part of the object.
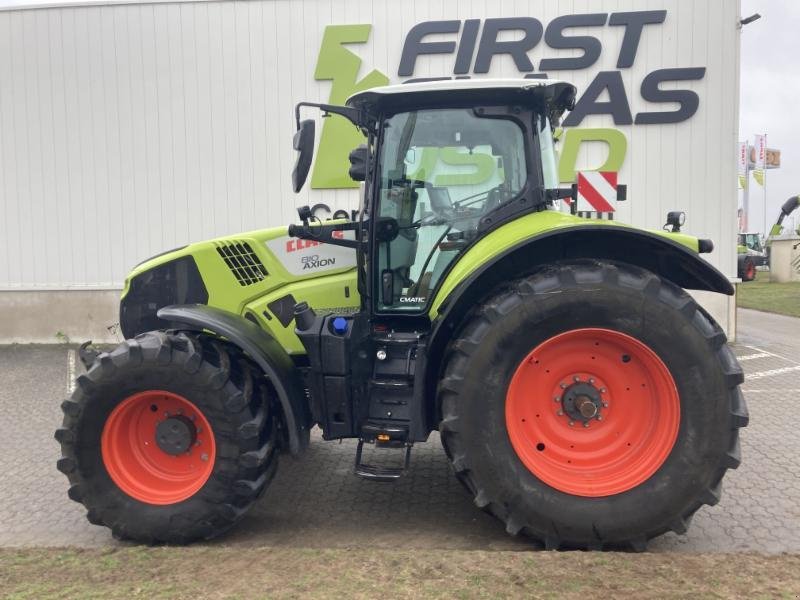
(765, 186)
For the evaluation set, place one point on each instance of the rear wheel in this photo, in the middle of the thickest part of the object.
(169, 438)
(747, 270)
(613, 419)
(608, 398)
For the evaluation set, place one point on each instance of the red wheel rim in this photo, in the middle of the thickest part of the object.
(630, 434)
(135, 459)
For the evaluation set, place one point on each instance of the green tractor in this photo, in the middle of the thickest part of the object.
(581, 395)
(753, 252)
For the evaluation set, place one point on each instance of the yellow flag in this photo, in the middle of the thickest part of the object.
(758, 175)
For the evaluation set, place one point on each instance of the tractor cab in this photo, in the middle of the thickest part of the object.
(751, 243)
(445, 162)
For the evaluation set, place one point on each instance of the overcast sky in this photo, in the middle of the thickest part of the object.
(770, 99)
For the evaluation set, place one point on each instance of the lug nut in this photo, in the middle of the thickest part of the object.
(599, 418)
(571, 423)
(576, 378)
(591, 379)
(557, 399)
(602, 390)
(381, 354)
(586, 424)
(560, 413)
(204, 456)
(605, 404)
(563, 386)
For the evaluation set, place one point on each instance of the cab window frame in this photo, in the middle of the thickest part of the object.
(533, 186)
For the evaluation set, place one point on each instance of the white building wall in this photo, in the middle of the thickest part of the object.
(129, 129)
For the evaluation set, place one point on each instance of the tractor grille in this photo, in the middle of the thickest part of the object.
(243, 262)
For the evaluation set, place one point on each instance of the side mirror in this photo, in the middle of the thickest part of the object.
(303, 142)
(358, 163)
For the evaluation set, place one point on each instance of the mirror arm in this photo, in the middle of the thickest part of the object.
(562, 193)
(355, 116)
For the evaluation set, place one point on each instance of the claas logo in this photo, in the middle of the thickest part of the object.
(296, 244)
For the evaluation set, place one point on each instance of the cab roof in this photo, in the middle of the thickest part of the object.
(557, 95)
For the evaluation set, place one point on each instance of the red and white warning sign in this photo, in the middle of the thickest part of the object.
(597, 191)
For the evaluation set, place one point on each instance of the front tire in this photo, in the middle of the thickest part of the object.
(537, 364)
(169, 438)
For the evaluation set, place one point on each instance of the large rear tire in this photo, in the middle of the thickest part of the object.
(169, 438)
(592, 405)
(747, 269)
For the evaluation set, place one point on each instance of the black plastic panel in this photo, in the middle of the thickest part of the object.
(174, 282)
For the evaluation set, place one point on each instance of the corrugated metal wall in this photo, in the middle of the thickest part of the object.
(126, 130)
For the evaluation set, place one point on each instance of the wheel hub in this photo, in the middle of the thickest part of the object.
(176, 435)
(158, 447)
(581, 401)
(592, 412)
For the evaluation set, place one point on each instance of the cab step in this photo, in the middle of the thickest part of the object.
(386, 438)
(381, 473)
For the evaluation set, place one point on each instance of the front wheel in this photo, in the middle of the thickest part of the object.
(169, 438)
(592, 405)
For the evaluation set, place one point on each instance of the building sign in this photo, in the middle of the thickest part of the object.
(471, 46)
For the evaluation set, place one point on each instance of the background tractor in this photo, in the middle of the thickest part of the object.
(753, 251)
(581, 395)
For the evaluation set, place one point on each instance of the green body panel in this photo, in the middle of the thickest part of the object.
(323, 294)
(335, 289)
(519, 230)
(324, 289)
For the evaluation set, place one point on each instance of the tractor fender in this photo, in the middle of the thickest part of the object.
(263, 349)
(656, 253)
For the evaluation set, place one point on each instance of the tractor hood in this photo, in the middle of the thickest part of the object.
(233, 272)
